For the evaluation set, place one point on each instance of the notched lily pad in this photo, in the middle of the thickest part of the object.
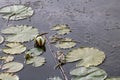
(54, 78)
(90, 73)
(20, 33)
(12, 67)
(36, 61)
(14, 48)
(8, 76)
(65, 43)
(35, 51)
(16, 12)
(86, 56)
(7, 59)
(61, 29)
(1, 39)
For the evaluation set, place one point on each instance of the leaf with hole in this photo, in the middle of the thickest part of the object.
(36, 61)
(8, 76)
(65, 43)
(86, 56)
(20, 33)
(16, 12)
(54, 78)
(12, 67)
(14, 48)
(90, 73)
(1, 39)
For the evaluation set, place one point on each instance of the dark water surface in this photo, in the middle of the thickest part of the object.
(95, 23)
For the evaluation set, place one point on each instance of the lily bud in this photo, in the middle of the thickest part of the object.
(40, 40)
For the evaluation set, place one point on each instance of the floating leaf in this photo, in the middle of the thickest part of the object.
(7, 59)
(20, 33)
(8, 76)
(54, 78)
(12, 67)
(55, 38)
(61, 29)
(90, 73)
(65, 43)
(1, 39)
(117, 78)
(14, 48)
(37, 61)
(16, 12)
(35, 51)
(87, 56)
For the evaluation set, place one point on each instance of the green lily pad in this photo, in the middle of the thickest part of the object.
(36, 61)
(54, 78)
(7, 59)
(1, 39)
(8, 76)
(12, 67)
(117, 78)
(65, 43)
(86, 56)
(20, 33)
(16, 12)
(14, 48)
(90, 73)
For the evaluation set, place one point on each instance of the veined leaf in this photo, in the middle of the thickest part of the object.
(86, 56)
(1, 39)
(16, 12)
(20, 33)
(7, 59)
(8, 76)
(90, 73)
(61, 29)
(36, 61)
(12, 67)
(35, 51)
(54, 78)
(117, 78)
(65, 43)
(14, 48)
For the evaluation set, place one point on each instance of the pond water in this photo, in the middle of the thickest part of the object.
(94, 23)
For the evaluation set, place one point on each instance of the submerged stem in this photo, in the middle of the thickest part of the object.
(55, 59)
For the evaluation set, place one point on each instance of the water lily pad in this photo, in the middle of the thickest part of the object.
(54, 78)
(90, 73)
(61, 29)
(65, 43)
(35, 51)
(1, 39)
(12, 67)
(20, 33)
(86, 56)
(8, 76)
(14, 48)
(117, 78)
(16, 12)
(36, 61)
(7, 58)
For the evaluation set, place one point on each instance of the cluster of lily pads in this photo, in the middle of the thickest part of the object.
(15, 37)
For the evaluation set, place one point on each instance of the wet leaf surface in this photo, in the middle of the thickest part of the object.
(54, 78)
(12, 67)
(7, 59)
(90, 73)
(14, 48)
(16, 12)
(8, 76)
(20, 33)
(86, 56)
